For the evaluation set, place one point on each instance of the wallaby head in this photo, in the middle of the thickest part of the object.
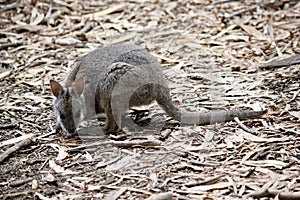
(69, 104)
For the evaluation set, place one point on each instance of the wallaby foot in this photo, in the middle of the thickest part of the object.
(111, 127)
(71, 135)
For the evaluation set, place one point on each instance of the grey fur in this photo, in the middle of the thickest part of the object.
(116, 78)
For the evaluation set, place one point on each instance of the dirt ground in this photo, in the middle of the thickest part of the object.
(215, 55)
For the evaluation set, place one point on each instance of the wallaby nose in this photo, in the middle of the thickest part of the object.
(71, 130)
(70, 127)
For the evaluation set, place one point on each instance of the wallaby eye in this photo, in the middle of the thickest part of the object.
(62, 116)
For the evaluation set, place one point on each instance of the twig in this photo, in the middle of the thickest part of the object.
(100, 187)
(245, 128)
(22, 193)
(15, 148)
(224, 1)
(207, 181)
(292, 60)
(46, 135)
(99, 165)
(200, 163)
(31, 123)
(119, 144)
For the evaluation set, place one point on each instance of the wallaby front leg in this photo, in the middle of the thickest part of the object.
(58, 127)
(110, 123)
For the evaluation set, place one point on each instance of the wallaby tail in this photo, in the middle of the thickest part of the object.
(201, 118)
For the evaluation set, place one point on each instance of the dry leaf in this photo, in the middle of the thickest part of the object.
(42, 197)
(49, 178)
(255, 138)
(295, 114)
(106, 12)
(252, 31)
(220, 185)
(67, 41)
(62, 153)
(5, 74)
(58, 169)
(266, 163)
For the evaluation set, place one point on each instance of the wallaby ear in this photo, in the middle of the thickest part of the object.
(79, 86)
(56, 88)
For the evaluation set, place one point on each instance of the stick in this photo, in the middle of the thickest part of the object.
(245, 128)
(16, 140)
(119, 144)
(14, 148)
(292, 60)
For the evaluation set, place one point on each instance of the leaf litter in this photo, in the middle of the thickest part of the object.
(215, 54)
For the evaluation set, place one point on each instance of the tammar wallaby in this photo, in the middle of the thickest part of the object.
(112, 79)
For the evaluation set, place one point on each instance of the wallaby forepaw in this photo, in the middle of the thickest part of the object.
(58, 128)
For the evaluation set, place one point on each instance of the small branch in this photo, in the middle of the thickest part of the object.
(14, 149)
(16, 140)
(245, 128)
(119, 144)
(210, 180)
(100, 187)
